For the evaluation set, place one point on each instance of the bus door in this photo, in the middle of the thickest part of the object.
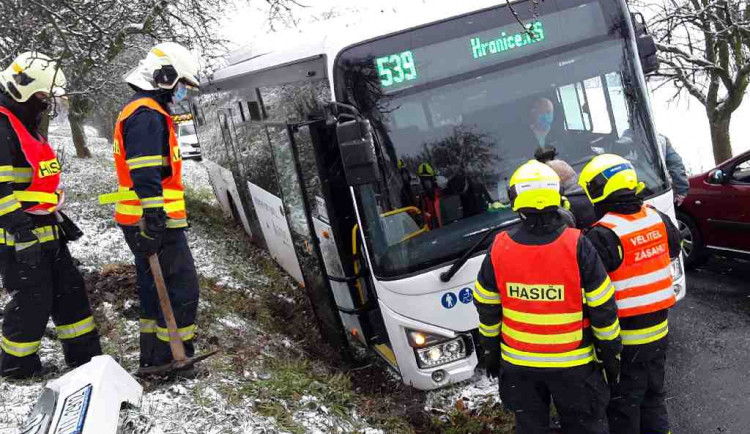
(295, 205)
(237, 199)
(319, 193)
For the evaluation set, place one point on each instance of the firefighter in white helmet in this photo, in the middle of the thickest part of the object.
(547, 312)
(35, 263)
(149, 203)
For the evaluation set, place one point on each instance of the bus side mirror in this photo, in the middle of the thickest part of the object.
(647, 52)
(646, 45)
(357, 152)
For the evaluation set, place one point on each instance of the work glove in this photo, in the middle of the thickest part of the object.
(70, 231)
(492, 364)
(28, 248)
(153, 225)
(679, 198)
(612, 370)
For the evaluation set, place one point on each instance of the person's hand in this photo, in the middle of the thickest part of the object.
(28, 249)
(492, 363)
(632, 155)
(612, 370)
(679, 198)
(152, 230)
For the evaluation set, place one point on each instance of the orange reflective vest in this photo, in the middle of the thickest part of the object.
(643, 282)
(129, 207)
(41, 196)
(540, 289)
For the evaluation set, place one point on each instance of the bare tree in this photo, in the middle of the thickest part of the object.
(704, 49)
(97, 41)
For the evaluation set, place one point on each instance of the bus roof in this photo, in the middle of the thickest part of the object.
(328, 38)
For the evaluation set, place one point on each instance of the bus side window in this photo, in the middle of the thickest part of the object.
(597, 106)
(572, 107)
(585, 106)
(253, 108)
(197, 113)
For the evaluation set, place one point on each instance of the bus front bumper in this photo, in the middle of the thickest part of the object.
(424, 378)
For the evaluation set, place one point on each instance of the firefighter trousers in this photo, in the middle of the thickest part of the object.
(579, 393)
(178, 268)
(53, 288)
(638, 402)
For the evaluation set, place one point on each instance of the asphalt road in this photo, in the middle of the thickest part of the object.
(708, 371)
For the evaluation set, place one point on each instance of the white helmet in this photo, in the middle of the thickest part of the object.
(165, 65)
(32, 72)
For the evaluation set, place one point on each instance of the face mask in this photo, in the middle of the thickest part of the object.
(180, 93)
(544, 121)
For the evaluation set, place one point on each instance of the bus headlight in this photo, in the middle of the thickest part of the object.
(676, 268)
(442, 353)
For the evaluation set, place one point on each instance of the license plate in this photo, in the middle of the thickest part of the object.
(74, 412)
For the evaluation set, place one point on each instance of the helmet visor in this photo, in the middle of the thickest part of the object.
(596, 186)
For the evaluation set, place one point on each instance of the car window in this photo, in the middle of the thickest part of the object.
(187, 130)
(741, 172)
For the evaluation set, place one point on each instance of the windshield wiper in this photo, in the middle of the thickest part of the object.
(448, 275)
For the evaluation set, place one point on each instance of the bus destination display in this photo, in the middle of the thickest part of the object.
(400, 68)
(486, 47)
(396, 68)
(534, 34)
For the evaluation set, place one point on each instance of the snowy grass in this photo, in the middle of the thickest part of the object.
(270, 375)
(245, 389)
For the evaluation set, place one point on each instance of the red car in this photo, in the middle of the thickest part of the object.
(715, 216)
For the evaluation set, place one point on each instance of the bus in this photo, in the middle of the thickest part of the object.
(371, 159)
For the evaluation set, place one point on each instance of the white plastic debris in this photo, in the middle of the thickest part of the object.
(86, 400)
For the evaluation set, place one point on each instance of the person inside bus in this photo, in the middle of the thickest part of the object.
(408, 196)
(538, 135)
(431, 196)
(580, 206)
(473, 195)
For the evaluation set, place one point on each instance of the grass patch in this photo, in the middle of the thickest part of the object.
(488, 418)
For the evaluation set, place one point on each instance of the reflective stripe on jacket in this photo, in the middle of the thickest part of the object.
(41, 196)
(540, 289)
(643, 282)
(129, 207)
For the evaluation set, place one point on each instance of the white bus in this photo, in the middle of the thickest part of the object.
(314, 144)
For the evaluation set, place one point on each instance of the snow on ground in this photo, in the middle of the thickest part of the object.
(472, 394)
(185, 406)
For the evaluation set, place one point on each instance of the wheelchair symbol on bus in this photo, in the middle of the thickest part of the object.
(466, 296)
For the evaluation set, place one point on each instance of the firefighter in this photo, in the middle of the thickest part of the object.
(150, 206)
(35, 263)
(547, 313)
(431, 195)
(635, 242)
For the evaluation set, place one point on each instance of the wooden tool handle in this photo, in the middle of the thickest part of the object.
(175, 342)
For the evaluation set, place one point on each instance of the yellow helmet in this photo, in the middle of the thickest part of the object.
(534, 187)
(32, 72)
(606, 174)
(425, 169)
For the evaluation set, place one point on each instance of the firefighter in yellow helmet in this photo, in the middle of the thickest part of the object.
(36, 266)
(431, 195)
(547, 312)
(635, 242)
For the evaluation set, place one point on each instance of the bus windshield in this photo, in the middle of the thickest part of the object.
(456, 107)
